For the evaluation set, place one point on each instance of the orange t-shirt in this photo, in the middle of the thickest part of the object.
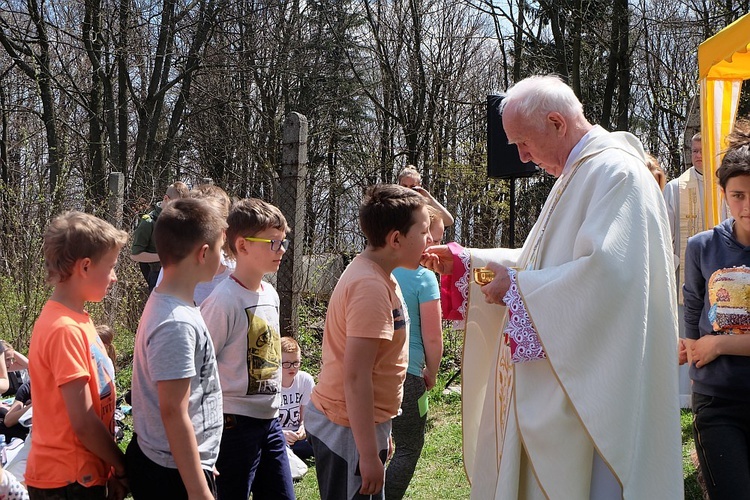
(65, 347)
(366, 303)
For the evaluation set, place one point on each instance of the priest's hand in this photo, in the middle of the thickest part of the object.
(495, 291)
(438, 258)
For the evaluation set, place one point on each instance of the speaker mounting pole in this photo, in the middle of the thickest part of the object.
(512, 225)
(503, 161)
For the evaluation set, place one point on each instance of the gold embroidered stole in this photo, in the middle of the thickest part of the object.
(690, 216)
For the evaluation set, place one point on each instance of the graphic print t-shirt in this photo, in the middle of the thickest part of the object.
(65, 347)
(172, 343)
(244, 326)
(294, 397)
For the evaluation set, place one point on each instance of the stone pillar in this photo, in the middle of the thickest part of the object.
(115, 198)
(291, 200)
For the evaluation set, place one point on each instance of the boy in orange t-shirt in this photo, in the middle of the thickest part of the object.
(365, 348)
(74, 454)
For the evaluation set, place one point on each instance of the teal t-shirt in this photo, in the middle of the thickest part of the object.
(417, 286)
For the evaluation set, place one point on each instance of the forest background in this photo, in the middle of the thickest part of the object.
(165, 90)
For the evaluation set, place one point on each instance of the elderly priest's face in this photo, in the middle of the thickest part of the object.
(541, 143)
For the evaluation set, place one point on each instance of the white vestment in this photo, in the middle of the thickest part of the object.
(684, 199)
(597, 279)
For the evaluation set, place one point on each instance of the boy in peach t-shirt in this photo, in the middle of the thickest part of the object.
(365, 348)
(74, 454)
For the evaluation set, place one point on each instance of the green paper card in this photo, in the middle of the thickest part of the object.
(424, 404)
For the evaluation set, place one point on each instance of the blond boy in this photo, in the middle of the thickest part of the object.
(296, 388)
(365, 348)
(176, 394)
(74, 454)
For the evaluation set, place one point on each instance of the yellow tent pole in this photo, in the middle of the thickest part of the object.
(719, 99)
(723, 64)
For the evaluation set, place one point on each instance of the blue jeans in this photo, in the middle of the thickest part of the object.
(252, 457)
(721, 428)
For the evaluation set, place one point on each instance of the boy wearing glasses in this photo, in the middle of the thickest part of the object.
(296, 387)
(242, 314)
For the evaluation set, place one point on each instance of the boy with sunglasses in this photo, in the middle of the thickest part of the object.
(242, 314)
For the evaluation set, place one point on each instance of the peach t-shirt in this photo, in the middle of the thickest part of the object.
(65, 347)
(366, 303)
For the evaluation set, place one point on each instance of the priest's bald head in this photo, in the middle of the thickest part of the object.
(544, 118)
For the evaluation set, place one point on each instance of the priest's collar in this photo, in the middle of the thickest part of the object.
(596, 131)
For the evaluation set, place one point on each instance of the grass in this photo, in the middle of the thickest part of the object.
(689, 472)
(440, 470)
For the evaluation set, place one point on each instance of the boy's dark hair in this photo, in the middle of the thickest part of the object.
(250, 216)
(385, 208)
(72, 236)
(737, 157)
(184, 225)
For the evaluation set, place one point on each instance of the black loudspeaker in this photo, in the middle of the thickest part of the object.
(503, 161)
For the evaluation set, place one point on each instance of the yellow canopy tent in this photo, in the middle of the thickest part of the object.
(723, 64)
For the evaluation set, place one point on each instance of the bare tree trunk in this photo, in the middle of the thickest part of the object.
(575, 59)
(149, 110)
(518, 41)
(122, 89)
(557, 23)
(623, 64)
(611, 82)
(94, 182)
(207, 22)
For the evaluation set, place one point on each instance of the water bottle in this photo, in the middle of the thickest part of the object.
(3, 451)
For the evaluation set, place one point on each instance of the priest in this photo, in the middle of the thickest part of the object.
(570, 367)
